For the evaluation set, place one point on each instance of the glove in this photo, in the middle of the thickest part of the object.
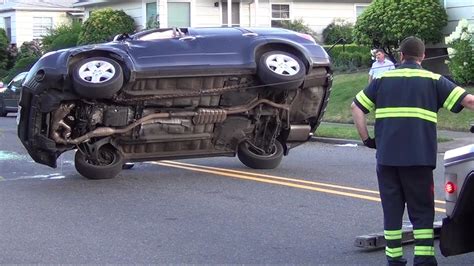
(370, 143)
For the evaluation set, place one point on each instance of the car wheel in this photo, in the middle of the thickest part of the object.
(3, 113)
(281, 70)
(108, 165)
(255, 159)
(97, 77)
(128, 166)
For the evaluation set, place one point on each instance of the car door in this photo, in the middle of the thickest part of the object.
(226, 47)
(165, 49)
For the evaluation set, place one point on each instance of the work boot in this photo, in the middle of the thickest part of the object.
(425, 261)
(397, 262)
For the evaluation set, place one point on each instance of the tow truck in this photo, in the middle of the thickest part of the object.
(457, 231)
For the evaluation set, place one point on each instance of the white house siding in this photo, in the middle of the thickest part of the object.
(206, 14)
(457, 10)
(22, 23)
(12, 16)
(319, 15)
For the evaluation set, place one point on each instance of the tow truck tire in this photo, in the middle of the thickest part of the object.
(109, 165)
(252, 159)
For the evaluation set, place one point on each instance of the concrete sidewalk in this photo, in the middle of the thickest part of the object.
(459, 139)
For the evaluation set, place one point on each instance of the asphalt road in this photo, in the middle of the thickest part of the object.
(206, 211)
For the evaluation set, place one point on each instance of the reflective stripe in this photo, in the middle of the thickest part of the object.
(423, 233)
(406, 112)
(393, 234)
(453, 98)
(365, 101)
(424, 251)
(394, 252)
(406, 72)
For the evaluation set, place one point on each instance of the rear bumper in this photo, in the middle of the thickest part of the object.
(33, 132)
(39, 97)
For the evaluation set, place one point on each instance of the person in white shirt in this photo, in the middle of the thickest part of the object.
(380, 65)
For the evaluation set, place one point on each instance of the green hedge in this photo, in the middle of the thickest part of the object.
(350, 57)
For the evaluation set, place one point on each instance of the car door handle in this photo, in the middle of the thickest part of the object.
(187, 38)
(250, 34)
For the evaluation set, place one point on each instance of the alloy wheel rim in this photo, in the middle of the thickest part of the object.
(282, 64)
(97, 71)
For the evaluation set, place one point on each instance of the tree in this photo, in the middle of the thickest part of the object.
(385, 23)
(103, 24)
(62, 37)
(338, 29)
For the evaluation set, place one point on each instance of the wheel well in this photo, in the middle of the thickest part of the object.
(281, 47)
(79, 57)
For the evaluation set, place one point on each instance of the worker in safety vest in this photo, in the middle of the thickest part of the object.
(406, 101)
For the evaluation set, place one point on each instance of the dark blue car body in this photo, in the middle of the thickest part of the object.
(171, 70)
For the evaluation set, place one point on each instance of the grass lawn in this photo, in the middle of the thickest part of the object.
(346, 86)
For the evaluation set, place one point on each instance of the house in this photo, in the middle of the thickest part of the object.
(436, 54)
(256, 13)
(26, 20)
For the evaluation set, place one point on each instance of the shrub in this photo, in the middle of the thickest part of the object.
(103, 24)
(3, 49)
(349, 57)
(338, 29)
(298, 25)
(461, 52)
(64, 36)
(29, 53)
(30, 49)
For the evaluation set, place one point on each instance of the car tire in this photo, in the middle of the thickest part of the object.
(252, 159)
(128, 166)
(97, 77)
(110, 165)
(281, 70)
(3, 113)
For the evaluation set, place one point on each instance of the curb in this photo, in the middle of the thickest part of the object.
(336, 141)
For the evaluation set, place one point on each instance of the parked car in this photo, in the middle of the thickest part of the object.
(176, 93)
(10, 95)
(457, 232)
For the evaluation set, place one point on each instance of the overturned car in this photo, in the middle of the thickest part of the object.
(175, 93)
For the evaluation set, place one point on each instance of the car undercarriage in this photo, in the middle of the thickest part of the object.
(194, 116)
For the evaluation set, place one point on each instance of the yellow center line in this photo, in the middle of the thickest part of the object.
(281, 178)
(245, 176)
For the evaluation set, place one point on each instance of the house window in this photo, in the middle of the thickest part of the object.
(41, 25)
(179, 14)
(280, 13)
(235, 14)
(8, 28)
(152, 16)
(359, 9)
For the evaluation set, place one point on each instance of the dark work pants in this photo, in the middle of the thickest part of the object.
(414, 186)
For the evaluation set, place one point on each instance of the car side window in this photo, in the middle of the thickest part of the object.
(158, 35)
